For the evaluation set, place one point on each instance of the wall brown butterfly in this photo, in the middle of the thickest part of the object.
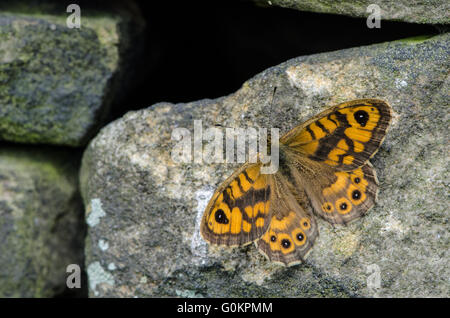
(324, 171)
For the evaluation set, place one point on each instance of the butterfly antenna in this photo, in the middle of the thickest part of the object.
(273, 96)
(269, 137)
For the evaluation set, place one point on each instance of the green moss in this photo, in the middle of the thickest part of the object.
(37, 188)
(42, 79)
(416, 39)
(53, 79)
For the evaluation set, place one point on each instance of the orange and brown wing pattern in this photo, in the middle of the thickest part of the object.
(292, 230)
(344, 137)
(238, 212)
(343, 196)
(289, 238)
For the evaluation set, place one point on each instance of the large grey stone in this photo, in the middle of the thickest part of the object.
(57, 83)
(415, 11)
(144, 209)
(41, 221)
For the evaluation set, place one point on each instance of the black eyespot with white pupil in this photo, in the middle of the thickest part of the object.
(356, 195)
(343, 206)
(221, 217)
(285, 243)
(361, 117)
(300, 237)
(357, 180)
(273, 238)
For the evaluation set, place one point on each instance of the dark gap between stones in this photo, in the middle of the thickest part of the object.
(208, 49)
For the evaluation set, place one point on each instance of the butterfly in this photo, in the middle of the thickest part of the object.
(324, 171)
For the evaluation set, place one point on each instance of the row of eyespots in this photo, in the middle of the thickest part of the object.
(285, 241)
(344, 205)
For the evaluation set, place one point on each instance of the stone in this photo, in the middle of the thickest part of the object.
(57, 84)
(41, 221)
(416, 11)
(144, 209)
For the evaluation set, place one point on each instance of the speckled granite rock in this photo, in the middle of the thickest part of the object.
(57, 83)
(143, 209)
(415, 11)
(41, 221)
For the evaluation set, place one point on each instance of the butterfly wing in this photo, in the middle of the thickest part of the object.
(345, 136)
(238, 212)
(339, 196)
(292, 230)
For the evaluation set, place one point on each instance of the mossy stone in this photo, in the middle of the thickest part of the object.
(41, 224)
(57, 83)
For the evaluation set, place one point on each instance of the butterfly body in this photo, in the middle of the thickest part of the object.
(323, 171)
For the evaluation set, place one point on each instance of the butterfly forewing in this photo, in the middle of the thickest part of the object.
(238, 212)
(344, 136)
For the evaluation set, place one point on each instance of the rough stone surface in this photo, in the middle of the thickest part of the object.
(41, 221)
(144, 209)
(415, 11)
(57, 83)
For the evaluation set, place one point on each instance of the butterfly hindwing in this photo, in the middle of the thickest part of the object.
(344, 136)
(340, 196)
(292, 230)
(238, 212)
